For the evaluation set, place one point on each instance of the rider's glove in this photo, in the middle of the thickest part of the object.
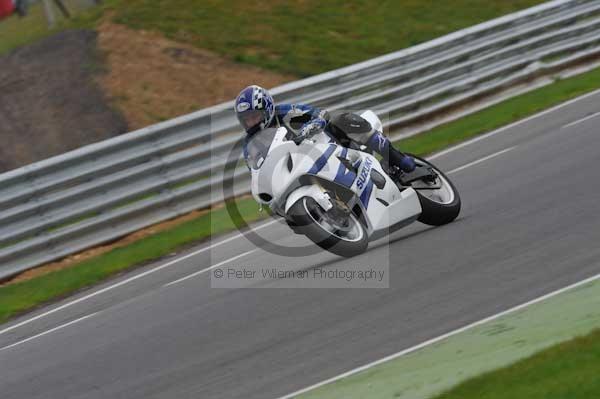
(312, 127)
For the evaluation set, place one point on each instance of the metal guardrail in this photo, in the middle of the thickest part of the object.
(103, 191)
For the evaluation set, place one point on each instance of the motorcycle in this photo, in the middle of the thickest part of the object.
(341, 198)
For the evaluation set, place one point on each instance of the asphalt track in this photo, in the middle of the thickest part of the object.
(530, 225)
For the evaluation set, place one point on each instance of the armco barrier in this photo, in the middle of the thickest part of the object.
(100, 192)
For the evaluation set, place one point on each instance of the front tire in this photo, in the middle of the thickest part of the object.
(306, 214)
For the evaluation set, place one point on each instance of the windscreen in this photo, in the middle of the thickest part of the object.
(258, 147)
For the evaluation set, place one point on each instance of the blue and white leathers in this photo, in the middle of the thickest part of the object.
(295, 118)
(286, 172)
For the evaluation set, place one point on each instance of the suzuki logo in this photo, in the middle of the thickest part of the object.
(362, 179)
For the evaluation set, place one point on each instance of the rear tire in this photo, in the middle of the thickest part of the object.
(436, 213)
(307, 225)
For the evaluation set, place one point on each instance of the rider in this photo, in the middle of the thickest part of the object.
(256, 110)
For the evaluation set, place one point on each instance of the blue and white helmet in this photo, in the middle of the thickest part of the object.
(254, 108)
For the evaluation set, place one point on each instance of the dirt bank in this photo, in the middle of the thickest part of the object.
(151, 78)
(49, 101)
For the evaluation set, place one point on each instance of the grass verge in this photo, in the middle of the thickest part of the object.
(568, 370)
(20, 297)
(281, 35)
(516, 350)
(16, 32)
(501, 114)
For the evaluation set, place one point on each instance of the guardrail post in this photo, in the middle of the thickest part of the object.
(49, 14)
(85, 189)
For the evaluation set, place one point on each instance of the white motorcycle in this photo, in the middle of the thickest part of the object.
(342, 198)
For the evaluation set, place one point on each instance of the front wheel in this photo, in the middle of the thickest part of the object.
(439, 197)
(339, 233)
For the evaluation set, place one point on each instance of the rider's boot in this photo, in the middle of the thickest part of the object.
(382, 145)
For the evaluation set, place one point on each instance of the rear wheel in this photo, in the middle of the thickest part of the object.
(438, 196)
(336, 231)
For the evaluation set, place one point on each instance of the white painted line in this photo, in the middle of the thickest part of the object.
(249, 252)
(507, 127)
(130, 279)
(49, 331)
(581, 120)
(434, 156)
(494, 155)
(210, 268)
(237, 236)
(441, 337)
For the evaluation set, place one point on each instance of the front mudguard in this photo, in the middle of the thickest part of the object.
(314, 191)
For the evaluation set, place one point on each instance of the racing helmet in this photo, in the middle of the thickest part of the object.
(254, 108)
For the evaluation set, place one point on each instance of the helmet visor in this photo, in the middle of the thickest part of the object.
(252, 118)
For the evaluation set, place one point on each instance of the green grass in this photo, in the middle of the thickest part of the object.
(570, 370)
(502, 114)
(310, 36)
(23, 296)
(16, 32)
(491, 346)
(301, 38)
(16, 298)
